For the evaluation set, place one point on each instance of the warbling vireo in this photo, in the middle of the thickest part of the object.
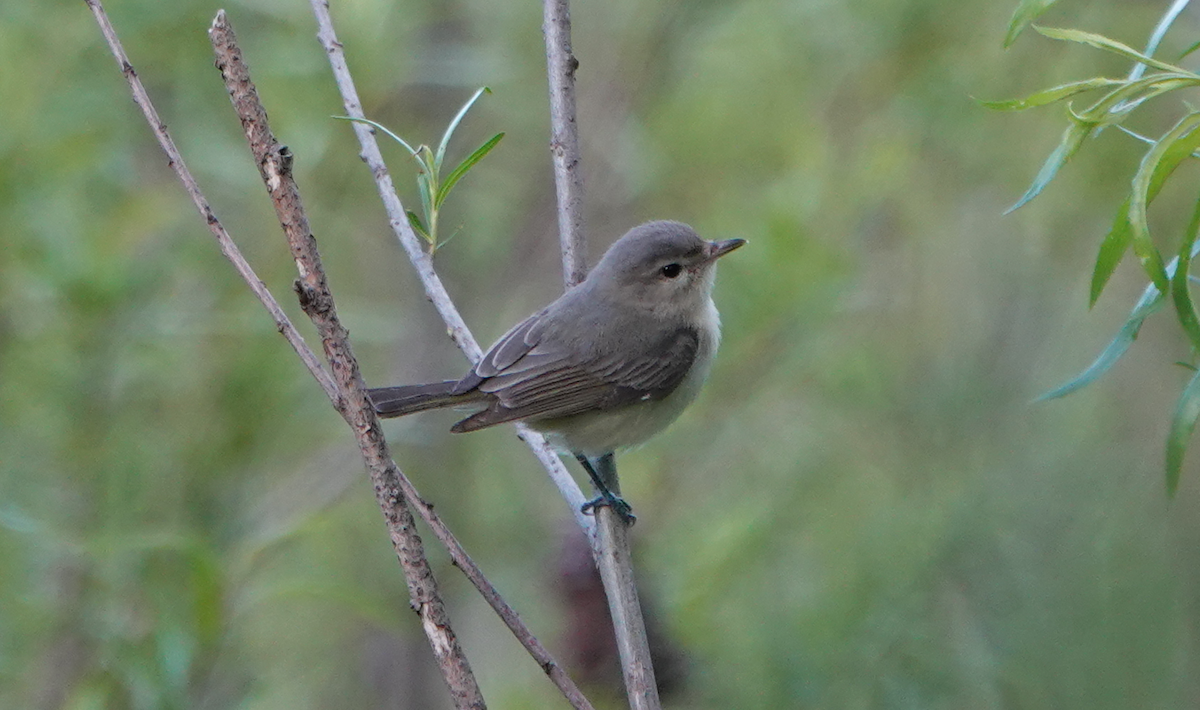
(608, 365)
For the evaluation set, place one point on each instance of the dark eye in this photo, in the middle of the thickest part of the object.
(671, 270)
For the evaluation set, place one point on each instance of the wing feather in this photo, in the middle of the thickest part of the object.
(504, 353)
(544, 384)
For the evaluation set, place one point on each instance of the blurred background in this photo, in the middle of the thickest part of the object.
(863, 510)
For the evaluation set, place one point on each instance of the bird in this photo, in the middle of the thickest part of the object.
(603, 368)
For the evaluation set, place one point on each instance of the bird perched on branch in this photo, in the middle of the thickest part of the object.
(609, 364)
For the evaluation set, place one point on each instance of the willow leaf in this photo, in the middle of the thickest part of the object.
(1072, 138)
(441, 151)
(1054, 93)
(469, 162)
(414, 221)
(1110, 45)
(1151, 301)
(381, 127)
(1114, 106)
(1175, 145)
(1112, 251)
(1181, 293)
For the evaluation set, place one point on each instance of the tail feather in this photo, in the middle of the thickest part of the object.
(407, 399)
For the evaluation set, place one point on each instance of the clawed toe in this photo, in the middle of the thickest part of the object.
(618, 504)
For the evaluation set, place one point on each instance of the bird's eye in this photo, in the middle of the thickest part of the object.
(671, 270)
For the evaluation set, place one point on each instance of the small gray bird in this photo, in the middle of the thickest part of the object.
(609, 364)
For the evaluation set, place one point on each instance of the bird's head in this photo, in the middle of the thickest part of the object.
(663, 266)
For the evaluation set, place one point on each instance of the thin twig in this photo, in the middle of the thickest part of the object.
(423, 263)
(275, 165)
(282, 323)
(613, 559)
(610, 547)
(564, 138)
(1160, 31)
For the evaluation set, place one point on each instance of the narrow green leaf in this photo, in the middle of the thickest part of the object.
(425, 157)
(441, 151)
(1175, 145)
(414, 221)
(1072, 138)
(1188, 51)
(1055, 93)
(457, 173)
(425, 192)
(427, 176)
(1113, 248)
(1026, 12)
(1149, 257)
(1165, 84)
(1112, 251)
(1114, 106)
(1183, 423)
(443, 242)
(1110, 45)
(381, 127)
(1181, 294)
(1151, 301)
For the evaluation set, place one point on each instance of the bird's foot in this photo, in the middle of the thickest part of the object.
(623, 510)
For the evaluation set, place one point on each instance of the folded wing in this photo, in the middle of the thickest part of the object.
(531, 379)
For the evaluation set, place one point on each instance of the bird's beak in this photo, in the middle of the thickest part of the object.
(715, 250)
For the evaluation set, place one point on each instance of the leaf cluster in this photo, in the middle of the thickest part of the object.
(432, 188)
(1130, 231)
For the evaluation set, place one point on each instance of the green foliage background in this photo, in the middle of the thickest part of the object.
(862, 511)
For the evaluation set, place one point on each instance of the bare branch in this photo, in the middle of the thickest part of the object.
(423, 263)
(612, 553)
(610, 546)
(275, 165)
(564, 138)
(228, 248)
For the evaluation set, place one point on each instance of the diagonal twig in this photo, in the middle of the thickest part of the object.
(228, 248)
(275, 165)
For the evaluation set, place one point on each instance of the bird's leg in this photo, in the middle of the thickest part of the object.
(603, 472)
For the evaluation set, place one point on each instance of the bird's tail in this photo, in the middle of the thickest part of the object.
(407, 399)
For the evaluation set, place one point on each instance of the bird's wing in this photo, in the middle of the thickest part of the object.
(509, 349)
(546, 383)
